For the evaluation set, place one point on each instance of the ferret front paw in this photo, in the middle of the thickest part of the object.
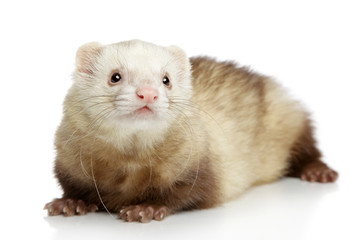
(69, 207)
(143, 213)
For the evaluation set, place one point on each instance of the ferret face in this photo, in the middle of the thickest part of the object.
(133, 84)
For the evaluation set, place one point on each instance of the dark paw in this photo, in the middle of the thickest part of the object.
(69, 207)
(318, 172)
(143, 213)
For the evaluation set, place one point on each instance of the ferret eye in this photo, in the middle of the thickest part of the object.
(115, 78)
(166, 81)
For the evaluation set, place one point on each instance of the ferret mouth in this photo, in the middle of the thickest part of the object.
(144, 111)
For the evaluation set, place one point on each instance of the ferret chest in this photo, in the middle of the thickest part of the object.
(132, 180)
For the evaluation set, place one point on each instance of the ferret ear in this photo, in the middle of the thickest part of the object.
(181, 56)
(86, 57)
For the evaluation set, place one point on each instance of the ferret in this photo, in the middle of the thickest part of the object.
(147, 132)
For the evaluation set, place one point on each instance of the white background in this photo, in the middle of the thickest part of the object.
(311, 47)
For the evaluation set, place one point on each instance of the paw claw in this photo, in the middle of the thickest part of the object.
(318, 172)
(92, 208)
(143, 213)
(68, 207)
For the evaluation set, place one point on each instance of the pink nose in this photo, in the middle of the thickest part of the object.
(147, 94)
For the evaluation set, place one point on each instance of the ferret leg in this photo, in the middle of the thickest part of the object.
(144, 213)
(318, 172)
(69, 207)
(305, 159)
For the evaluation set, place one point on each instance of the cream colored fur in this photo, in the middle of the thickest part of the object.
(249, 129)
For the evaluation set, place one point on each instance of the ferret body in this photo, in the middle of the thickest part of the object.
(147, 132)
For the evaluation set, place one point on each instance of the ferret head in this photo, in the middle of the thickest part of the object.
(134, 85)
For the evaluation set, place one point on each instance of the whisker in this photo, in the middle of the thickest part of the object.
(150, 167)
(191, 148)
(83, 107)
(78, 100)
(195, 109)
(92, 172)
(82, 165)
(70, 138)
(91, 125)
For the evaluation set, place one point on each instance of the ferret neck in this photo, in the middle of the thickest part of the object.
(128, 139)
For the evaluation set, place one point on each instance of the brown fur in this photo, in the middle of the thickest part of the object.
(238, 129)
(120, 186)
(303, 151)
(305, 159)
